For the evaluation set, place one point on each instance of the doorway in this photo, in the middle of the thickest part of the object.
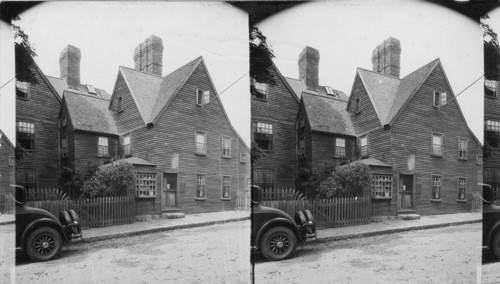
(405, 193)
(169, 192)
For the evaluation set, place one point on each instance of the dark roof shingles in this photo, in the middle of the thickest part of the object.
(90, 113)
(327, 115)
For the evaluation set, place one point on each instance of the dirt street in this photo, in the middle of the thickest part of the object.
(490, 268)
(444, 255)
(213, 254)
(7, 237)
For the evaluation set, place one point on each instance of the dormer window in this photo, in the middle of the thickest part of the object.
(260, 90)
(91, 89)
(330, 91)
(22, 90)
(202, 97)
(439, 99)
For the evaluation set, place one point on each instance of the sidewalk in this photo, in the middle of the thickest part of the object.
(6, 219)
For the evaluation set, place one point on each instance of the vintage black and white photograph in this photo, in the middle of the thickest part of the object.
(250, 142)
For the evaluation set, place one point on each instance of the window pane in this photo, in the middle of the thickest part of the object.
(145, 184)
(200, 142)
(381, 185)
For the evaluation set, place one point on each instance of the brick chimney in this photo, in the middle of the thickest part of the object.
(309, 68)
(148, 56)
(69, 65)
(386, 57)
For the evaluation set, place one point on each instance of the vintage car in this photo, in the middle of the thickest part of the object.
(274, 233)
(491, 222)
(40, 234)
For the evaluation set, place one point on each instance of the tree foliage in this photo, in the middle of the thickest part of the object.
(339, 181)
(24, 53)
(109, 180)
(261, 56)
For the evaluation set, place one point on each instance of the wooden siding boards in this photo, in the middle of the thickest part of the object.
(130, 117)
(492, 112)
(42, 109)
(86, 147)
(7, 170)
(414, 127)
(280, 109)
(366, 119)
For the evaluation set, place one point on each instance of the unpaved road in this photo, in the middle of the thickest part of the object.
(444, 255)
(213, 254)
(7, 237)
(490, 268)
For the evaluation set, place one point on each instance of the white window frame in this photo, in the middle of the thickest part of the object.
(462, 185)
(265, 130)
(382, 185)
(435, 151)
(102, 146)
(24, 128)
(437, 186)
(261, 88)
(226, 146)
(340, 147)
(12, 161)
(22, 88)
(145, 184)
(226, 187)
(200, 146)
(127, 145)
(363, 145)
(200, 181)
(202, 97)
(243, 158)
(463, 148)
(439, 99)
(492, 86)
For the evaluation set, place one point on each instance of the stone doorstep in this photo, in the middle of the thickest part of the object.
(411, 216)
(173, 215)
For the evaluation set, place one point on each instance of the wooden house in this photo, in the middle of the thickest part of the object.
(7, 169)
(492, 134)
(415, 125)
(176, 133)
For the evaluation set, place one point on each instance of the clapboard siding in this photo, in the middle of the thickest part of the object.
(281, 110)
(130, 117)
(174, 132)
(413, 129)
(86, 147)
(492, 112)
(42, 109)
(366, 119)
(7, 174)
(323, 148)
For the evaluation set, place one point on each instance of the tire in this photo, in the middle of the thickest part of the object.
(43, 244)
(300, 218)
(278, 243)
(495, 246)
(309, 215)
(64, 218)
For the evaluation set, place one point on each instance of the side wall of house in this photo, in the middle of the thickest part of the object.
(304, 162)
(7, 171)
(280, 109)
(86, 147)
(492, 165)
(130, 117)
(414, 128)
(42, 109)
(366, 119)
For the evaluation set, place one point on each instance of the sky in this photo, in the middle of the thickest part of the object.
(346, 33)
(108, 32)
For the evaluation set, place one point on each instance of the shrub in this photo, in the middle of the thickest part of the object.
(109, 180)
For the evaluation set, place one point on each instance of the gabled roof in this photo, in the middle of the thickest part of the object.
(326, 114)
(132, 161)
(89, 113)
(2, 134)
(389, 94)
(60, 86)
(151, 93)
(371, 162)
(299, 87)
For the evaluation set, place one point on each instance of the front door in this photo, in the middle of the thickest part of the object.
(405, 192)
(169, 192)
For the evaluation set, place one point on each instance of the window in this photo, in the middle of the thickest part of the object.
(64, 147)
(145, 184)
(462, 148)
(64, 122)
(200, 185)
(439, 99)
(243, 158)
(26, 135)
(202, 97)
(226, 187)
(302, 147)
(103, 147)
(479, 159)
(340, 147)
(492, 133)
(264, 178)
(437, 144)
(263, 135)
(22, 90)
(26, 178)
(462, 189)
(91, 89)
(201, 138)
(330, 91)
(490, 88)
(260, 90)
(363, 142)
(226, 147)
(381, 186)
(12, 161)
(119, 103)
(436, 187)
(126, 145)
(357, 105)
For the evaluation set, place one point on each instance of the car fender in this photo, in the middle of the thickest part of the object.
(279, 221)
(47, 222)
(494, 229)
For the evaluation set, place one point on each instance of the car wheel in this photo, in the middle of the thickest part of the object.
(43, 244)
(496, 244)
(300, 218)
(64, 218)
(278, 243)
